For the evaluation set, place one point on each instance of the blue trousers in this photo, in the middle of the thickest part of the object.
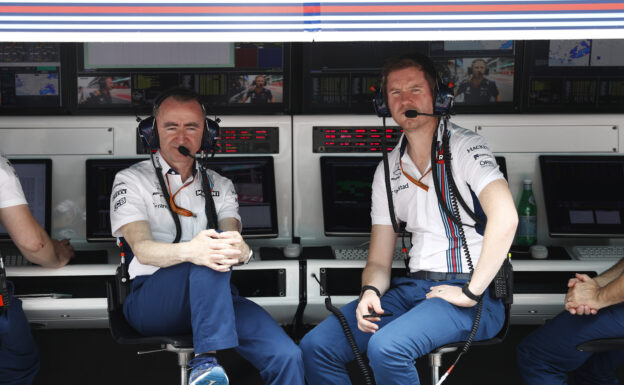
(19, 358)
(547, 354)
(187, 298)
(418, 326)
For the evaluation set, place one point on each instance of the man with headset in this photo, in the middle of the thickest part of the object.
(184, 287)
(478, 89)
(594, 309)
(19, 359)
(103, 94)
(436, 304)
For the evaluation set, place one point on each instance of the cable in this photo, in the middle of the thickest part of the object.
(161, 181)
(455, 217)
(348, 334)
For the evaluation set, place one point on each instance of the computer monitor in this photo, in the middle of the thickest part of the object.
(35, 176)
(346, 184)
(584, 195)
(100, 175)
(254, 181)
(502, 165)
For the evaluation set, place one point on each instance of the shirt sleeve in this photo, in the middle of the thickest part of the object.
(474, 161)
(11, 193)
(126, 204)
(379, 207)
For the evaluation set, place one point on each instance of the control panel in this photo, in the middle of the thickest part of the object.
(354, 139)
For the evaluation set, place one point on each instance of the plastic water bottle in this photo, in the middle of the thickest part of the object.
(527, 213)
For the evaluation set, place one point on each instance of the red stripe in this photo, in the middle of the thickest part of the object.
(157, 9)
(450, 222)
(352, 9)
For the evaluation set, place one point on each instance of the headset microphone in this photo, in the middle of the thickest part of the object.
(414, 113)
(185, 151)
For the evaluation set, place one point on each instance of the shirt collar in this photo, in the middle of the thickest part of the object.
(167, 169)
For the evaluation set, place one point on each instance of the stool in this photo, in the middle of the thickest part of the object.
(435, 357)
(125, 334)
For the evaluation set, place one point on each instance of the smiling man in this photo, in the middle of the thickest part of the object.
(435, 305)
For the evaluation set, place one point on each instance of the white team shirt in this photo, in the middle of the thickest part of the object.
(11, 193)
(434, 236)
(137, 196)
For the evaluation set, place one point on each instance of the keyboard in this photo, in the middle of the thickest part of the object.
(12, 257)
(598, 253)
(360, 254)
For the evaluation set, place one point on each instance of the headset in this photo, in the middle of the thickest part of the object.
(148, 130)
(442, 93)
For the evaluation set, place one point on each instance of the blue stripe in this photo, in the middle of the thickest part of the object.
(298, 29)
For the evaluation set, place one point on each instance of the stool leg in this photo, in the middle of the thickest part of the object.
(435, 361)
(183, 359)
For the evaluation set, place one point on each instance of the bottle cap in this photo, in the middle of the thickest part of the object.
(528, 181)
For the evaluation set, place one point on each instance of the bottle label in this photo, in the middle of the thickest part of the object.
(527, 230)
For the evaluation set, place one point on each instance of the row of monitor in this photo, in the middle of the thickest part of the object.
(320, 77)
(584, 195)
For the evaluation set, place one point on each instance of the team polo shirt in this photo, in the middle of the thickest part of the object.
(436, 244)
(137, 196)
(11, 193)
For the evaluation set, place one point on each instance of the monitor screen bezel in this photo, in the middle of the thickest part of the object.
(547, 179)
(267, 162)
(47, 162)
(326, 162)
(92, 193)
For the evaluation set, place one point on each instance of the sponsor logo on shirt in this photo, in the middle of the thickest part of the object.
(118, 193)
(401, 187)
(477, 156)
(477, 147)
(119, 203)
(159, 201)
(486, 163)
(200, 193)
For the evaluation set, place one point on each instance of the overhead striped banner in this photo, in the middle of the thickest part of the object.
(257, 21)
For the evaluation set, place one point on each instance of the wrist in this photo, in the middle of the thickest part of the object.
(470, 294)
(366, 288)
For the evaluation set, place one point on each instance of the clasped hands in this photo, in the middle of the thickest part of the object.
(217, 250)
(582, 297)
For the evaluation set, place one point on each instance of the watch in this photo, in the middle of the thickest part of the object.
(470, 294)
(369, 287)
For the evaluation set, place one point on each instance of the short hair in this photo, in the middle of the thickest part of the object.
(416, 60)
(178, 94)
(478, 59)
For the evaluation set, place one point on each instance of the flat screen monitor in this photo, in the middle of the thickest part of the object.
(584, 195)
(100, 175)
(35, 176)
(254, 181)
(346, 183)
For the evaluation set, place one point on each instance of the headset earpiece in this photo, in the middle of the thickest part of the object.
(379, 103)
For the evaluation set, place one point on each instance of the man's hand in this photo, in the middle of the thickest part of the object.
(451, 294)
(238, 242)
(582, 297)
(368, 303)
(63, 250)
(207, 248)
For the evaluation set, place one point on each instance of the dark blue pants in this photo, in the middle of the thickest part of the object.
(418, 326)
(548, 354)
(187, 298)
(19, 358)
